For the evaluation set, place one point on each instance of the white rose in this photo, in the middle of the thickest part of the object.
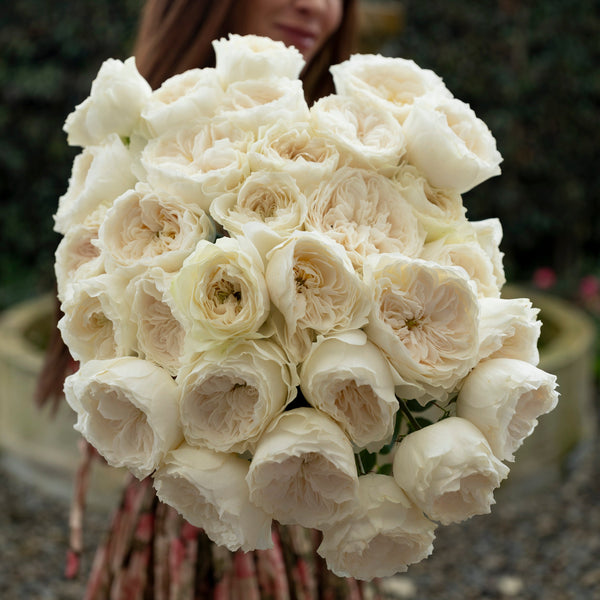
(113, 107)
(146, 228)
(296, 342)
(99, 175)
(295, 149)
(489, 236)
(312, 283)
(504, 397)
(448, 470)
(198, 162)
(77, 255)
(509, 328)
(95, 323)
(209, 490)
(425, 318)
(229, 397)
(365, 213)
(181, 99)
(303, 470)
(159, 334)
(270, 198)
(348, 378)
(127, 409)
(366, 135)
(450, 144)
(469, 255)
(255, 103)
(391, 83)
(253, 57)
(384, 535)
(439, 211)
(221, 293)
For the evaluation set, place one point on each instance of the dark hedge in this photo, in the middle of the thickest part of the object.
(49, 54)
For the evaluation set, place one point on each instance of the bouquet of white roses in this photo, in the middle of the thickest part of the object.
(282, 312)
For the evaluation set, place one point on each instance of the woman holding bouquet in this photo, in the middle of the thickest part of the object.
(151, 552)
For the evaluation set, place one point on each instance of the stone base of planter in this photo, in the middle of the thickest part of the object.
(566, 432)
(35, 444)
(44, 448)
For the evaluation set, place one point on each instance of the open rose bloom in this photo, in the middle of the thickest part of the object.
(282, 313)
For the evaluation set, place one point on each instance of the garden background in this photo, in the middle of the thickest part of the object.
(530, 71)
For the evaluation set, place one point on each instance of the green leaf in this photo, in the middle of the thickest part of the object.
(365, 461)
(385, 469)
(423, 422)
(415, 407)
(397, 424)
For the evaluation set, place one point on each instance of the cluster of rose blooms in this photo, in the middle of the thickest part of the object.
(264, 296)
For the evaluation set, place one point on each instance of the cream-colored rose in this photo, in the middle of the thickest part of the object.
(198, 162)
(159, 334)
(239, 58)
(469, 255)
(77, 256)
(269, 198)
(295, 149)
(127, 409)
(384, 534)
(509, 328)
(296, 342)
(186, 97)
(451, 146)
(114, 105)
(391, 83)
(365, 213)
(425, 318)
(504, 397)
(228, 397)
(303, 470)
(221, 294)
(95, 323)
(255, 103)
(489, 236)
(366, 135)
(209, 490)
(146, 228)
(448, 470)
(440, 212)
(312, 283)
(348, 378)
(99, 175)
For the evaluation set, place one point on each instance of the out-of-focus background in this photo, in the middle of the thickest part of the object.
(530, 71)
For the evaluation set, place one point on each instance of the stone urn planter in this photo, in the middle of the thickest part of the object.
(45, 449)
(35, 445)
(567, 351)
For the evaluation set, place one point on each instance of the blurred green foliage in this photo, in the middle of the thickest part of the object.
(529, 69)
(49, 55)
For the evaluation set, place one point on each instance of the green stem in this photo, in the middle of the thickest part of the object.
(359, 464)
(413, 422)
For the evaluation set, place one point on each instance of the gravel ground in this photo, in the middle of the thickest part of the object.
(540, 545)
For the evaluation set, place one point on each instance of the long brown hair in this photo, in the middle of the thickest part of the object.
(177, 35)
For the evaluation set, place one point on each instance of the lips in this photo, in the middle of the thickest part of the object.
(298, 36)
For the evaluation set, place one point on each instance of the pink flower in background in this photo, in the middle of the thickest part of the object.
(589, 293)
(589, 287)
(544, 278)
